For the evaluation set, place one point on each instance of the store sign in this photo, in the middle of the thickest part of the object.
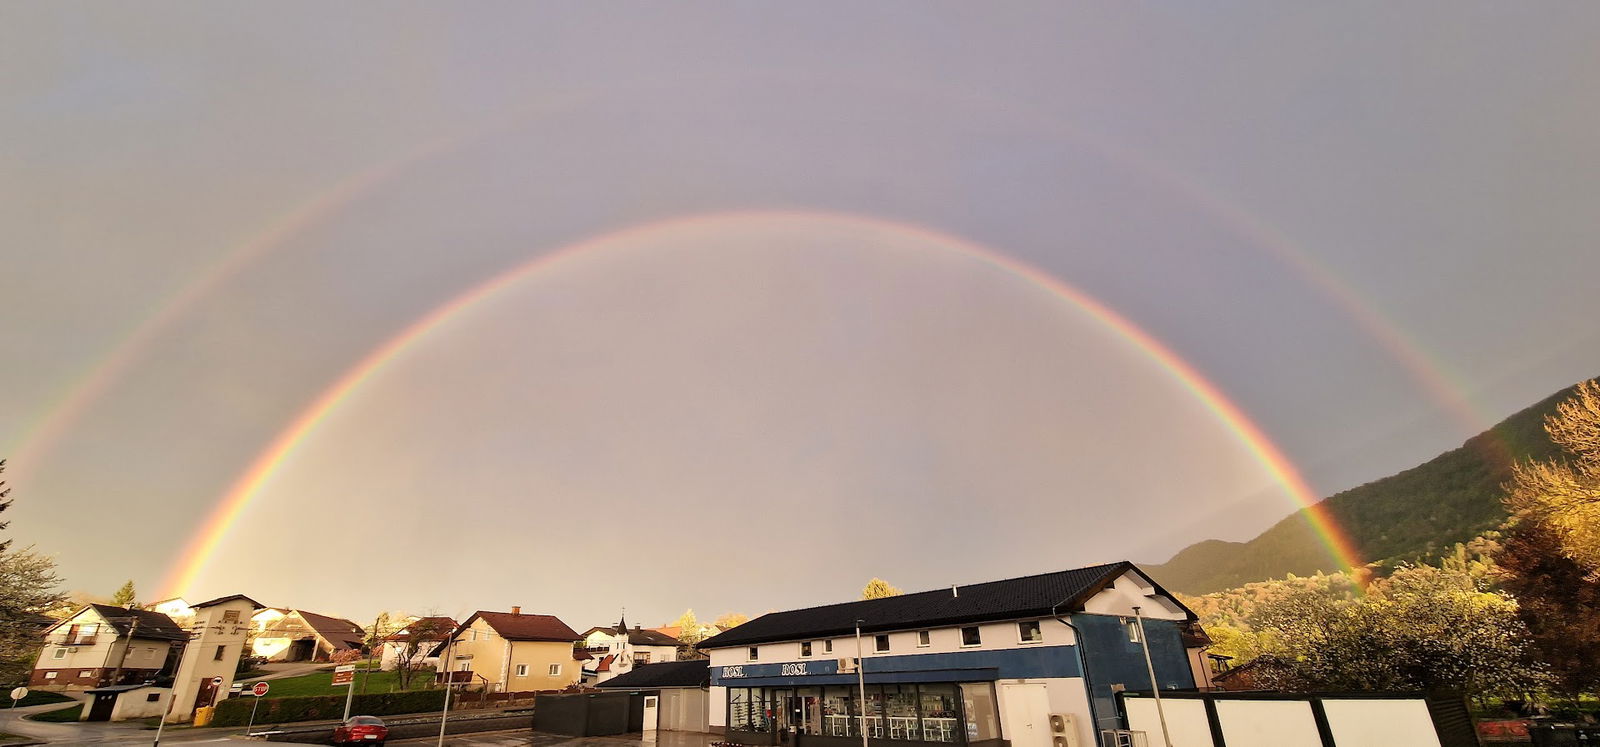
(792, 669)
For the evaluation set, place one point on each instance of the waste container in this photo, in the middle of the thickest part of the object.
(203, 715)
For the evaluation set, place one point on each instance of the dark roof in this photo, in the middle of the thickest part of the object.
(229, 598)
(436, 628)
(338, 631)
(692, 673)
(1060, 592)
(524, 627)
(153, 626)
(639, 636)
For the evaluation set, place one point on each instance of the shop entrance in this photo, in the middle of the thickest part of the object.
(800, 714)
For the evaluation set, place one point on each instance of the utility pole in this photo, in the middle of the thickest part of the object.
(861, 684)
(1155, 688)
(449, 679)
(117, 673)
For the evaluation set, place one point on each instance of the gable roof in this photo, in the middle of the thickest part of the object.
(1041, 595)
(226, 599)
(523, 626)
(692, 673)
(436, 627)
(153, 626)
(338, 631)
(638, 636)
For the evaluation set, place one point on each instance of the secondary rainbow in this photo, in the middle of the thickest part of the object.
(205, 542)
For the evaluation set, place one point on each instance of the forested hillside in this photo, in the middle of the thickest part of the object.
(1417, 514)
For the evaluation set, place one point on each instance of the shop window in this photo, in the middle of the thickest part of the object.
(970, 636)
(1028, 632)
(555, 670)
(827, 646)
(900, 711)
(982, 717)
(924, 639)
(880, 644)
(751, 654)
(940, 719)
(748, 711)
(805, 649)
(522, 670)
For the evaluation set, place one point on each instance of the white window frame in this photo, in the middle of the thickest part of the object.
(554, 670)
(924, 638)
(827, 646)
(806, 648)
(880, 643)
(522, 670)
(1037, 627)
(963, 633)
(752, 653)
(49, 675)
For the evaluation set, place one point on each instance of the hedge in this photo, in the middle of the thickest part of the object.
(236, 711)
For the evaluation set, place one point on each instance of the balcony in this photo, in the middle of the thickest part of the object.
(78, 640)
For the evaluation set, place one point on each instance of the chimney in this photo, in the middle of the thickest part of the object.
(515, 610)
(954, 591)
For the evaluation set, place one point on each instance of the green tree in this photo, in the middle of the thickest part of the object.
(1563, 495)
(878, 588)
(5, 503)
(689, 629)
(125, 596)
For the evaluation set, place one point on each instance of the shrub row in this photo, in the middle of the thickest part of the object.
(236, 711)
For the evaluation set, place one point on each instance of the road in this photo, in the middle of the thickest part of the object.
(106, 733)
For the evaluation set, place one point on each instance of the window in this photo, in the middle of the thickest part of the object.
(230, 616)
(970, 636)
(153, 698)
(555, 670)
(750, 654)
(522, 670)
(805, 649)
(1133, 630)
(924, 639)
(1028, 632)
(464, 666)
(880, 643)
(49, 675)
(220, 651)
(827, 646)
(60, 653)
(85, 673)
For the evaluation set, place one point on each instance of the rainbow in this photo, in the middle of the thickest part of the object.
(205, 542)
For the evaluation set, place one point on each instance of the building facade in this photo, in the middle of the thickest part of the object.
(1024, 660)
(210, 660)
(102, 645)
(414, 642)
(618, 649)
(511, 652)
(300, 635)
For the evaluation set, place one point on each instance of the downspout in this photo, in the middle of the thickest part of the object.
(1083, 664)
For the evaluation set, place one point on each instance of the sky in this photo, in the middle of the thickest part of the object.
(733, 306)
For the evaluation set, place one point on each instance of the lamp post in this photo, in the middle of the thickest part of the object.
(449, 679)
(1155, 688)
(861, 684)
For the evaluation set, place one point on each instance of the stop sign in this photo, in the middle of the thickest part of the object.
(259, 689)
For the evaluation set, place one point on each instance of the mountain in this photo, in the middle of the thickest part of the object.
(1415, 514)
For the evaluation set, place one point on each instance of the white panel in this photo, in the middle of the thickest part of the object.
(1186, 721)
(1025, 714)
(1268, 723)
(1380, 723)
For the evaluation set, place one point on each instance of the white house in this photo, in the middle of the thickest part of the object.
(417, 639)
(1034, 661)
(103, 645)
(618, 649)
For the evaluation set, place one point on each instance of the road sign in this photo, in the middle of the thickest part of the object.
(19, 693)
(260, 689)
(216, 681)
(344, 674)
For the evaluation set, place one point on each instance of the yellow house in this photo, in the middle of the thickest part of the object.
(511, 652)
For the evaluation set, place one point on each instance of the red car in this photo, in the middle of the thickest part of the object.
(361, 730)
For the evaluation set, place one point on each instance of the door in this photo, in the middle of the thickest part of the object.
(100, 710)
(1025, 718)
(205, 695)
(652, 713)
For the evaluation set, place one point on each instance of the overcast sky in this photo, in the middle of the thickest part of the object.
(761, 412)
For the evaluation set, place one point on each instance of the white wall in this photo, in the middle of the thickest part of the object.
(1380, 723)
(136, 704)
(1129, 590)
(995, 636)
(1186, 721)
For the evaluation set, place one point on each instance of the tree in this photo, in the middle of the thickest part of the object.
(730, 620)
(5, 503)
(878, 588)
(1560, 604)
(1563, 495)
(28, 587)
(421, 637)
(689, 629)
(125, 596)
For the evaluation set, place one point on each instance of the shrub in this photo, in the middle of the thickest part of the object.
(236, 711)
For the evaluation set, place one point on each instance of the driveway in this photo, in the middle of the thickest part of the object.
(287, 669)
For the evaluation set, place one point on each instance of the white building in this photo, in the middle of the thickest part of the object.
(103, 645)
(618, 649)
(1033, 661)
(416, 641)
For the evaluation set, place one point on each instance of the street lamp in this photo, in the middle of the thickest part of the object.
(861, 684)
(1155, 688)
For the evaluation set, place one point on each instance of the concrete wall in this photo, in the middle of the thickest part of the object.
(221, 627)
(1287, 722)
(137, 704)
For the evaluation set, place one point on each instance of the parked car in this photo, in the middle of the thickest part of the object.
(361, 730)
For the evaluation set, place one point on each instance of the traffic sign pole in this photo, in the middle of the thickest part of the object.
(17, 694)
(350, 692)
(258, 690)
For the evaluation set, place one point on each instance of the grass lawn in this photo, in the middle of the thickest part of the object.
(61, 716)
(320, 683)
(38, 697)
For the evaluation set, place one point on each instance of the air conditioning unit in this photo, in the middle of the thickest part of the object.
(847, 666)
(1064, 730)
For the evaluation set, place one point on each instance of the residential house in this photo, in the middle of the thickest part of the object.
(175, 608)
(1033, 661)
(101, 645)
(511, 652)
(417, 638)
(618, 649)
(299, 635)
